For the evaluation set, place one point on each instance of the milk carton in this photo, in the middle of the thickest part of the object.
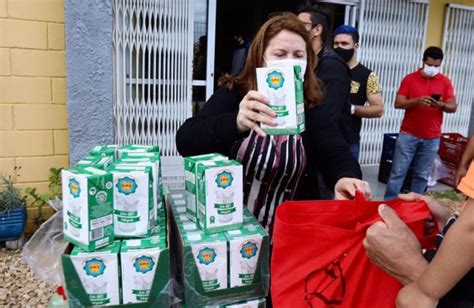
(88, 207)
(155, 174)
(139, 261)
(210, 256)
(244, 252)
(99, 274)
(104, 162)
(284, 88)
(190, 169)
(254, 303)
(154, 163)
(136, 148)
(133, 201)
(104, 150)
(220, 198)
(87, 162)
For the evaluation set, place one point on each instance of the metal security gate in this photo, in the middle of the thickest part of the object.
(392, 42)
(458, 65)
(152, 42)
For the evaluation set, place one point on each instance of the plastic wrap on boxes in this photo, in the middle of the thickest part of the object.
(214, 290)
(43, 251)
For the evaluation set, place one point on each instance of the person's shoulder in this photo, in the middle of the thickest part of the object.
(361, 67)
(444, 78)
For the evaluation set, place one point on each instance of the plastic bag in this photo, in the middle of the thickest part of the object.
(438, 171)
(43, 251)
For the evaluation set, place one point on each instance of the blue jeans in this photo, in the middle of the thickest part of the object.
(355, 150)
(409, 148)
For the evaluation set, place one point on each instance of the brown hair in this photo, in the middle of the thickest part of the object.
(247, 79)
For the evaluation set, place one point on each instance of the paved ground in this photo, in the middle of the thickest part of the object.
(370, 174)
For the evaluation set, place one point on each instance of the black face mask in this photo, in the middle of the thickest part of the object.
(345, 54)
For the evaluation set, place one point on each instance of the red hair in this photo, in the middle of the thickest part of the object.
(247, 79)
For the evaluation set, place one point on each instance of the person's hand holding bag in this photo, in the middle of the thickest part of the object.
(345, 189)
(253, 109)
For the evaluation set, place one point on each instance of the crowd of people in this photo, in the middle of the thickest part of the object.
(338, 93)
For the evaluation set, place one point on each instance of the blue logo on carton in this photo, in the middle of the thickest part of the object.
(275, 80)
(101, 197)
(206, 256)
(143, 264)
(224, 179)
(126, 185)
(249, 250)
(74, 188)
(94, 267)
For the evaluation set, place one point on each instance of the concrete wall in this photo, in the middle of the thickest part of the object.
(89, 74)
(33, 111)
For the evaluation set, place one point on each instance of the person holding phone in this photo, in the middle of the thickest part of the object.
(425, 95)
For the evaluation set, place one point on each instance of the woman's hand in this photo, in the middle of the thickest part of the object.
(253, 109)
(345, 188)
(412, 296)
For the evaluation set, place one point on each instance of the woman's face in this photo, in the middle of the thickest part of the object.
(286, 45)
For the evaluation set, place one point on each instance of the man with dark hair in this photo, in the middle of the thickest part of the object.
(331, 69)
(365, 86)
(425, 95)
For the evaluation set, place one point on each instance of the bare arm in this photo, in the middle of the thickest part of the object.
(453, 260)
(466, 159)
(402, 102)
(373, 110)
(450, 106)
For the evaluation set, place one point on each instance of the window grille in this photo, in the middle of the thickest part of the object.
(392, 43)
(458, 64)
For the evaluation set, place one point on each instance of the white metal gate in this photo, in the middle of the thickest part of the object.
(392, 42)
(152, 42)
(458, 65)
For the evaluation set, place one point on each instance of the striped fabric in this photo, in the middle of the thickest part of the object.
(272, 168)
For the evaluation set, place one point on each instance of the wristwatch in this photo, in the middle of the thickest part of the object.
(353, 109)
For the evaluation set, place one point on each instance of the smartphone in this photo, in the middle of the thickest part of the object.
(436, 97)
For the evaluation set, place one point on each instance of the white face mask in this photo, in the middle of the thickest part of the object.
(431, 71)
(288, 62)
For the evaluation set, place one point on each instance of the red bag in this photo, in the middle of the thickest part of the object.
(318, 258)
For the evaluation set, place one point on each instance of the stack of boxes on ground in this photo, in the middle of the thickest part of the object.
(114, 216)
(221, 256)
(451, 149)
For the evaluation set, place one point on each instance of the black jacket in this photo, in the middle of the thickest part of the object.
(214, 129)
(336, 78)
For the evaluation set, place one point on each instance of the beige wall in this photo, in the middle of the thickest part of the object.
(33, 115)
(434, 36)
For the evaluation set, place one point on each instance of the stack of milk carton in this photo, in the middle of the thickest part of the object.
(222, 251)
(115, 193)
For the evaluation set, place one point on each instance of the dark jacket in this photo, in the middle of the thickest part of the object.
(336, 77)
(214, 129)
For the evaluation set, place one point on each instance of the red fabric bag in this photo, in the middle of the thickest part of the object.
(318, 258)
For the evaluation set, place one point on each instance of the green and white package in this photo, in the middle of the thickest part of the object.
(244, 250)
(136, 148)
(253, 303)
(190, 170)
(220, 197)
(139, 261)
(155, 173)
(99, 273)
(87, 207)
(104, 150)
(104, 162)
(210, 256)
(155, 164)
(284, 88)
(134, 214)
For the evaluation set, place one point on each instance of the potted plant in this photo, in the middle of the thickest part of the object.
(12, 210)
